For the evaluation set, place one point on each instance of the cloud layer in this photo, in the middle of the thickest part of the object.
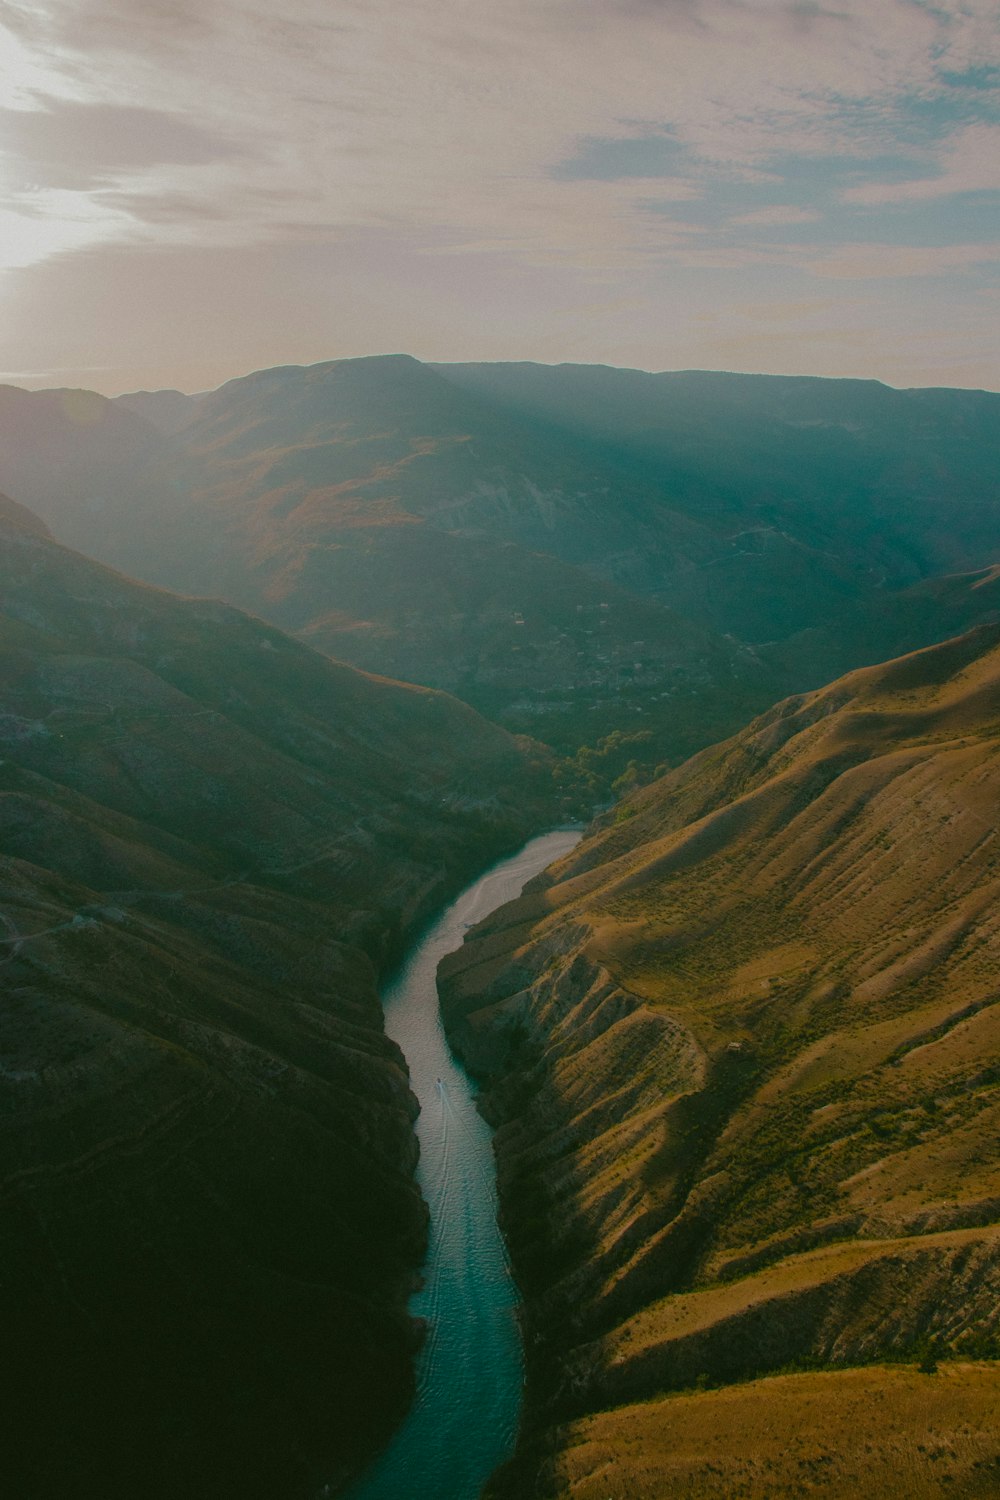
(657, 159)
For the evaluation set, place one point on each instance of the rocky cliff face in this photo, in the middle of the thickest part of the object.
(742, 1050)
(212, 838)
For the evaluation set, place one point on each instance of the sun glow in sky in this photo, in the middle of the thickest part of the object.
(190, 190)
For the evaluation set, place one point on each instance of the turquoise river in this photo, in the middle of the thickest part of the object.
(470, 1370)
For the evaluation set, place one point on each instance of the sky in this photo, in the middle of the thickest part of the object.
(192, 189)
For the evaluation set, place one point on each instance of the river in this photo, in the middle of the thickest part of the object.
(469, 1376)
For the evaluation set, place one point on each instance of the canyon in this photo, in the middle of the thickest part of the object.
(739, 1047)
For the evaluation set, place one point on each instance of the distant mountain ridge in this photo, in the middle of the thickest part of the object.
(167, 411)
(465, 525)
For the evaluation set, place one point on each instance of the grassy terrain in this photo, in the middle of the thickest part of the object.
(744, 1053)
(882, 1432)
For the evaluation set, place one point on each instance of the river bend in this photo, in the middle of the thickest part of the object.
(470, 1370)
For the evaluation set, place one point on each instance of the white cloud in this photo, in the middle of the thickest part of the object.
(432, 127)
(877, 262)
(22, 71)
(969, 163)
(448, 114)
(53, 223)
(778, 215)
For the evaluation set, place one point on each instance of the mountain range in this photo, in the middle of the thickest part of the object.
(566, 548)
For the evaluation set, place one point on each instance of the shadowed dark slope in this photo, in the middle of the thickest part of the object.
(211, 837)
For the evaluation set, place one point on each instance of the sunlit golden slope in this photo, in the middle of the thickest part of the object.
(878, 1431)
(745, 1050)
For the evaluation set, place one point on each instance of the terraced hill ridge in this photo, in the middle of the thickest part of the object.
(743, 1047)
(212, 837)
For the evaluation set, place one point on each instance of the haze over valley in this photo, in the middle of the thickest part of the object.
(499, 724)
(571, 550)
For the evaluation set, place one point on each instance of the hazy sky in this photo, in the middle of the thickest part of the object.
(190, 189)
